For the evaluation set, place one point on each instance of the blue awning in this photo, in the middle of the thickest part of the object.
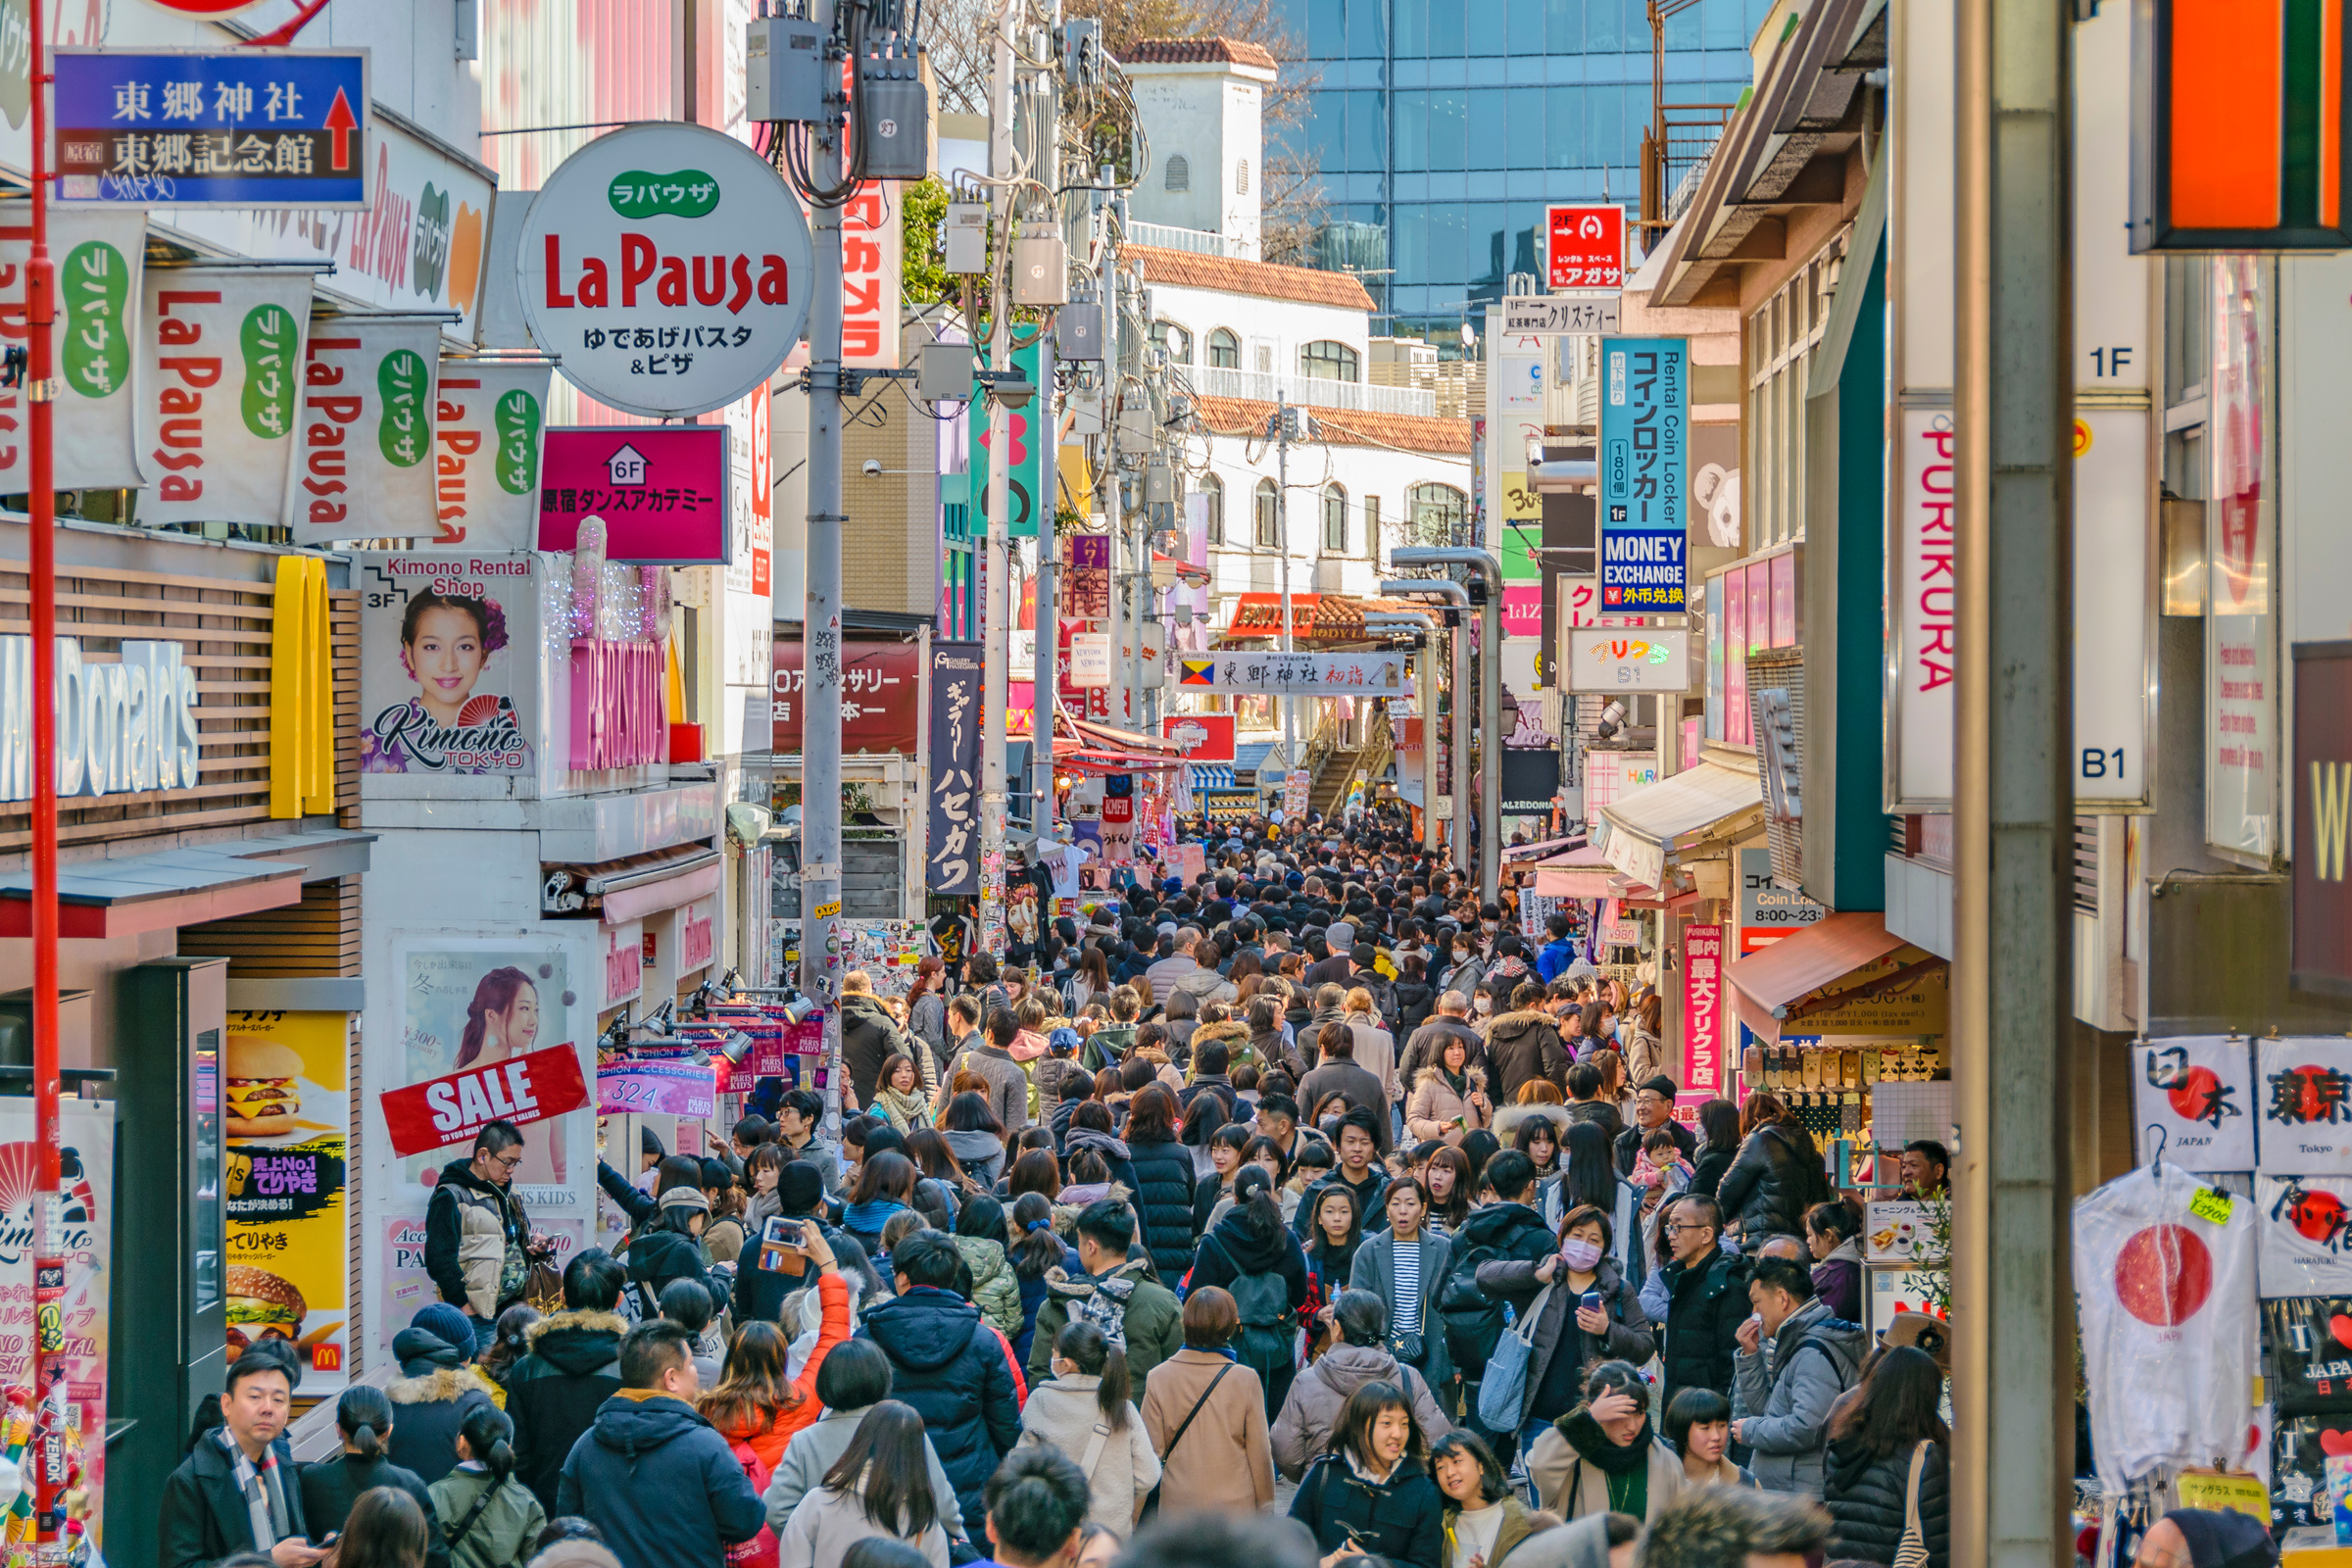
(1251, 756)
(1213, 775)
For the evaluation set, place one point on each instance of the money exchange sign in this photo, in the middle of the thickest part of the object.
(1645, 450)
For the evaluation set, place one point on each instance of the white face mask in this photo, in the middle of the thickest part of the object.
(1486, 1004)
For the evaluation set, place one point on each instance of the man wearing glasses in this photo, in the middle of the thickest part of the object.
(1707, 1294)
(478, 1247)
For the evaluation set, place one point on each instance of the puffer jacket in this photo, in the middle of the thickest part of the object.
(1837, 1280)
(1705, 1307)
(1235, 1037)
(1311, 1411)
(1780, 1395)
(470, 1228)
(553, 1393)
(957, 1375)
(1867, 1496)
(1164, 1200)
(1433, 1105)
(428, 1406)
(505, 1530)
(1521, 1048)
(1401, 1521)
(1150, 1317)
(1628, 1338)
(869, 1036)
(995, 1290)
(657, 1257)
(1774, 1179)
(660, 1484)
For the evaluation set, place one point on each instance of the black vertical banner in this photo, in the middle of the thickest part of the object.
(954, 782)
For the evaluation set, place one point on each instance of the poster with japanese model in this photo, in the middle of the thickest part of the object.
(484, 1037)
(447, 672)
(2304, 1087)
(2199, 1090)
(286, 1125)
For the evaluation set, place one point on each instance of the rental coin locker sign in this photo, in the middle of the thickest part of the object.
(1645, 455)
(667, 267)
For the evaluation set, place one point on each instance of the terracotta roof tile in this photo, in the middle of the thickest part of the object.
(1414, 432)
(1198, 51)
(1262, 279)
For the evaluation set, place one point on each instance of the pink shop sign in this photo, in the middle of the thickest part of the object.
(660, 489)
(620, 715)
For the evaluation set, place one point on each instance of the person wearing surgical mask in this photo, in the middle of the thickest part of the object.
(1482, 1009)
(1592, 1315)
(1465, 971)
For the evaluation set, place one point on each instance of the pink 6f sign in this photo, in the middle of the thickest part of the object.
(660, 489)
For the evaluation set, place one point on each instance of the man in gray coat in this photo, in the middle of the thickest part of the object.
(1007, 1080)
(1786, 1377)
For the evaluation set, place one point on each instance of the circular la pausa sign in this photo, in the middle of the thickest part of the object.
(667, 267)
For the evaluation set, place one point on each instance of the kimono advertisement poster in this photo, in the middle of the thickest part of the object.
(449, 673)
(287, 1133)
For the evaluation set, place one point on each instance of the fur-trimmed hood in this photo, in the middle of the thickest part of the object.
(1507, 1120)
(1232, 1032)
(609, 1322)
(443, 1385)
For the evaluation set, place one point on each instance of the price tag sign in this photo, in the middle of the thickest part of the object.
(2210, 1204)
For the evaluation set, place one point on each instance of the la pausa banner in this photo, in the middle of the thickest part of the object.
(1296, 675)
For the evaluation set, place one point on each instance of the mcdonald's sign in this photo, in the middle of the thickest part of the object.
(2323, 832)
(2238, 126)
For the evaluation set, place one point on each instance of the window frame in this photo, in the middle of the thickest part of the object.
(1344, 359)
(1265, 512)
(1177, 174)
(1165, 331)
(1230, 349)
(1213, 489)
(1335, 518)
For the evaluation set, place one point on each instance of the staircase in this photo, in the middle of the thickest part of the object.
(1335, 765)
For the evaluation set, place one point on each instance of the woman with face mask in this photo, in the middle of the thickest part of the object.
(1590, 1316)
(1462, 971)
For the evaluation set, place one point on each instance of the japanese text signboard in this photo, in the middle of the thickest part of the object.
(99, 333)
(871, 257)
(242, 128)
(1028, 481)
(661, 491)
(367, 396)
(955, 785)
(2304, 1089)
(1586, 246)
(667, 267)
(1644, 415)
(486, 430)
(881, 683)
(1296, 675)
(1702, 1010)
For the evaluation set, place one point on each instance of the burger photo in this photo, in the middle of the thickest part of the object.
(263, 1097)
(262, 1306)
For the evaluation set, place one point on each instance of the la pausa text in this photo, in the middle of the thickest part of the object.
(702, 280)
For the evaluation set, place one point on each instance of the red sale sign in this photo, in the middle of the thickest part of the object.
(451, 1109)
(1586, 246)
(1702, 1010)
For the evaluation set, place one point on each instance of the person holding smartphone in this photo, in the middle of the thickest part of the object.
(1590, 1316)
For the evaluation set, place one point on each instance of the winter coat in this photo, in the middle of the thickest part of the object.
(1493, 1232)
(503, 1535)
(658, 1258)
(1708, 1166)
(1775, 1178)
(330, 1490)
(1868, 1498)
(469, 1227)
(1603, 1112)
(1415, 1002)
(823, 1155)
(1705, 1307)
(1401, 1520)
(1782, 1411)
(826, 1524)
(1225, 1462)
(1432, 1110)
(426, 1411)
(1375, 1054)
(1518, 1525)
(1628, 1338)
(927, 1021)
(980, 1154)
(1365, 1091)
(769, 1435)
(553, 1393)
(1375, 1270)
(1008, 1081)
(1521, 1048)
(1629, 1146)
(1235, 1247)
(1644, 1055)
(1568, 1481)
(812, 1452)
(1154, 1320)
(1311, 1411)
(1066, 1414)
(204, 1517)
(957, 1375)
(1837, 1280)
(868, 1037)
(1553, 959)
(660, 1483)
(1059, 1078)
(995, 1290)
(1426, 1046)
(903, 1112)
(1163, 1205)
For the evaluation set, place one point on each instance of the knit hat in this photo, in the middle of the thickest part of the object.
(2223, 1538)
(1339, 936)
(683, 1198)
(800, 1186)
(447, 1324)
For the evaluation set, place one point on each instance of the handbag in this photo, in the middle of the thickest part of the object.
(1912, 1550)
(1503, 1394)
(1151, 1497)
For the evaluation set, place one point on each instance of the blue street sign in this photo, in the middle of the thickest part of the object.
(1644, 455)
(233, 128)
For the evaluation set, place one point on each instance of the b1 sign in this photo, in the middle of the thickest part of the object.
(1586, 246)
(668, 267)
(660, 489)
(1607, 660)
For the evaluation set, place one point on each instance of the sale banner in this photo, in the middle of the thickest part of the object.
(670, 1088)
(288, 1134)
(450, 1109)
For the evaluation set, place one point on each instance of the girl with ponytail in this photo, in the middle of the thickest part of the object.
(329, 1491)
(491, 1519)
(1088, 1412)
(1036, 1247)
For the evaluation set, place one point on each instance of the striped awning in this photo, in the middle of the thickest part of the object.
(1213, 775)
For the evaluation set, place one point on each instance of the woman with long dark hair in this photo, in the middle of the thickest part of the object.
(1372, 1493)
(1889, 1446)
(388, 1527)
(1163, 1180)
(757, 1404)
(1036, 1249)
(1092, 982)
(885, 1186)
(331, 1492)
(1450, 1183)
(927, 1015)
(1718, 1146)
(490, 1518)
(1250, 1253)
(1588, 1178)
(1570, 1337)
(1087, 1411)
(1335, 1229)
(878, 1487)
(1776, 1176)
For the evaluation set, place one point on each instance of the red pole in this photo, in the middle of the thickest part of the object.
(49, 1269)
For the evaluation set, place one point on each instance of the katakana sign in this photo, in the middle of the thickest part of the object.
(661, 490)
(1296, 675)
(1644, 449)
(1586, 246)
(955, 785)
(191, 128)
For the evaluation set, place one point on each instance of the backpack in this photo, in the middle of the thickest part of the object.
(1107, 1311)
(1267, 1341)
(1473, 1319)
(763, 1551)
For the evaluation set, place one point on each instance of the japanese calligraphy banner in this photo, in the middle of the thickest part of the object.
(870, 253)
(2304, 1225)
(1702, 1010)
(1645, 441)
(2304, 1085)
(881, 705)
(367, 431)
(954, 783)
(487, 422)
(100, 315)
(220, 374)
(2198, 1091)
(287, 1077)
(1296, 675)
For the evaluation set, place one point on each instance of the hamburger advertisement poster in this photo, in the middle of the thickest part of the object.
(287, 1130)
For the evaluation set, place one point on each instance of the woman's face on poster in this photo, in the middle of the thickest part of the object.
(446, 658)
(519, 1025)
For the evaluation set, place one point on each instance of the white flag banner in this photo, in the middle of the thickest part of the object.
(2306, 1235)
(2303, 1084)
(1296, 675)
(2199, 1090)
(486, 425)
(219, 383)
(99, 256)
(365, 471)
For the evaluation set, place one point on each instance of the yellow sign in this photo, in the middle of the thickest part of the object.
(288, 1103)
(1905, 994)
(825, 911)
(2210, 1488)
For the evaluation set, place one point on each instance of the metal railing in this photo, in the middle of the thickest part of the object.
(1199, 241)
(1360, 397)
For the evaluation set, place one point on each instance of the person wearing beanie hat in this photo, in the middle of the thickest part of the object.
(438, 1385)
(2206, 1538)
(669, 1246)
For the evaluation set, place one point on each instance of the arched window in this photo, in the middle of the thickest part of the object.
(1335, 520)
(1213, 491)
(1327, 362)
(1224, 350)
(1241, 178)
(1268, 510)
(1437, 512)
(1180, 172)
(1173, 341)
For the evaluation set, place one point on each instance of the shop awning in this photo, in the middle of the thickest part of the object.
(1844, 974)
(1538, 851)
(99, 898)
(1326, 618)
(1581, 873)
(1651, 826)
(635, 886)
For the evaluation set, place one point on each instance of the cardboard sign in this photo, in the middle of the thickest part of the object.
(452, 1109)
(661, 491)
(670, 1088)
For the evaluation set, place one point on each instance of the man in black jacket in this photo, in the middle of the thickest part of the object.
(1707, 1289)
(868, 1035)
(1426, 1046)
(477, 1244)
(208, 1512)
(573, 1367)
(1654, 1107)
(950, 1365)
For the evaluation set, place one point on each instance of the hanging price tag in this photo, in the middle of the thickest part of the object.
(2210, 1204)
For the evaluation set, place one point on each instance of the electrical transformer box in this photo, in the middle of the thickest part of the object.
(784, 70)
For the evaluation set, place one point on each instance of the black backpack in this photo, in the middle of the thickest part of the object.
(1472, 1318)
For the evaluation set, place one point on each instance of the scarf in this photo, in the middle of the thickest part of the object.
(263, 1489)
(1459, 1082)
(906, 1111)
(1585, 1436)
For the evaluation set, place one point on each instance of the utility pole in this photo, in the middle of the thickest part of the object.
(1487, 571)
(1456, 600)
(995, 598)
(1282, 540)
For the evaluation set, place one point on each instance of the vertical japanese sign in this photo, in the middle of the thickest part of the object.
(1923, 608)
(955, 785)
(1702, 1011)
(97, 334)
(871, 230)
(2242, 654)
(289, 1132)
(1644, 417)
(487, 420)
(1028, 439)
(220, 380)
(368, 429)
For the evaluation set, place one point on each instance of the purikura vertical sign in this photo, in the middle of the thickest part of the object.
(1923, 607)
(620, 713)
(1702, 1011)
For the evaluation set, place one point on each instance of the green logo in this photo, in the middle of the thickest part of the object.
(267, 340)
(404, 431)
(516, 418)
(688, 193)
(431, 252)
(95, 283)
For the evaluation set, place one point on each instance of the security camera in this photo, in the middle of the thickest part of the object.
(871, 468)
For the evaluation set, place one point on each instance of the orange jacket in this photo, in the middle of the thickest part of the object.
(833, 1294)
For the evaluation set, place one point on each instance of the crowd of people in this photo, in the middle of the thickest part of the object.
(1313, 1213)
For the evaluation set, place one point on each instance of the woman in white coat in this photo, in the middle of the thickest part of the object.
(1087, 1412)
(878, 1489)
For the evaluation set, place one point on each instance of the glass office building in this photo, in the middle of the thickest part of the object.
(1441, 128)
